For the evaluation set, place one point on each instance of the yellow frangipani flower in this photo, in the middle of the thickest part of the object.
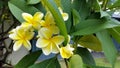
(48, 42)
(33, 20)
(66, 52)
(64, 15)
(49, 23)
(21, 36)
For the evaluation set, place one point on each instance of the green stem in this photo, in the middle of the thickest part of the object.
(104, 5)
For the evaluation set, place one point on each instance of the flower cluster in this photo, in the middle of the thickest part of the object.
(49, 38)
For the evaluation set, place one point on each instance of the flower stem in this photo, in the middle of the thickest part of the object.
(66, 63)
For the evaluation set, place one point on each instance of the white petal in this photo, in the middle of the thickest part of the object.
(27, 17)
(27, 44)
(65, 16)
(55, 48)
(17, 45)
(41, 42)
(47, 50)
(38, 16)
(46, 33)
(58, 39)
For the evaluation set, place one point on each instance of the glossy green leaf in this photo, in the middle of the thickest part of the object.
(50, 63)
(115, 32)
(91, 42)
(75, 62)
(58, 18)
(28, 60)
(86, 56)
(17, 7)
(33, 1)
(107, 46)
(94, 25)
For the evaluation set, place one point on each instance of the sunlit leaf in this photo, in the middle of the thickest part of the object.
(28, 60)
(107, 46)
(91, 42)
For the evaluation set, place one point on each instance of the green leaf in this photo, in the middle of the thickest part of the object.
(107, 46)
(93, 66)
(96, 6)
(86, 56)
(83, 7)
(76, 17)
(50, 63)
(91, 42)
(115, 32)
(94, 25)
(67, 8)
(75, 62)
(116, 4)
(57, 16)
(28, 60)
(33, 1)
(17, 7)
(103, 13)
(58, 2)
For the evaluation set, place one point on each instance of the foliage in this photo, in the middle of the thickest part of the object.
(89, 25)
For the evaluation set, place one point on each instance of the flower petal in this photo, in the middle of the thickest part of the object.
(55, 48)
(13, 35)
(60, 9)
(38, 16)
(47, 50)
(36, 25)
(17, 45)
(54, 29)
(27, 17)
(46, 33)
(49, 18)
(66, 52)
(41, 42)
(27, 44)
(58, 39)
(29, 35)
(26, 24)
(65, 16)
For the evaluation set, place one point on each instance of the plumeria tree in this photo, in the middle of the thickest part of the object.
(61, 27)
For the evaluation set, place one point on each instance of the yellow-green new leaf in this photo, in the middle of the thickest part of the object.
(75, 62)
(91, 42)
